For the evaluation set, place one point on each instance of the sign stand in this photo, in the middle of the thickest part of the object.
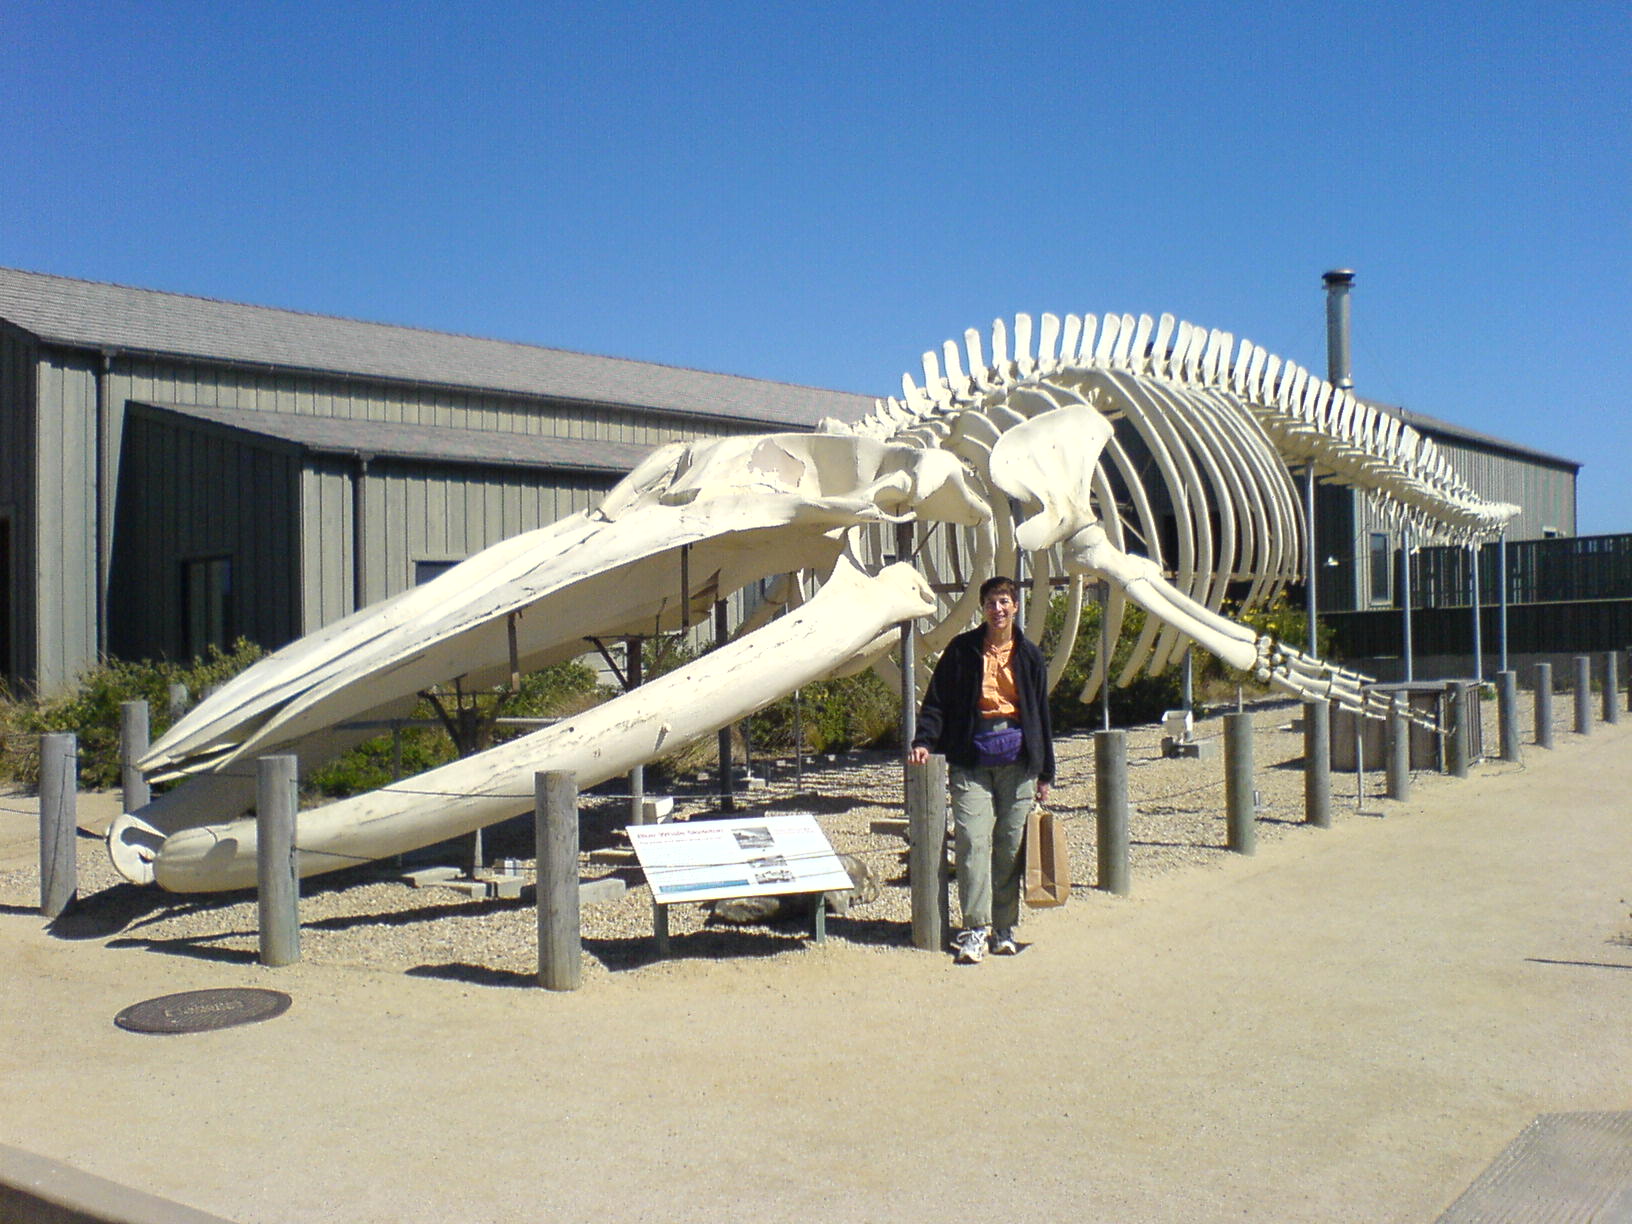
(749, 856)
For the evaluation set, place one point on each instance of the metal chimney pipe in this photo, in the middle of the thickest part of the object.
(1339, 370)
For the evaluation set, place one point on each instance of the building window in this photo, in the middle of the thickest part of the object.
(206, 603)
(1382, 569)
(424, 571)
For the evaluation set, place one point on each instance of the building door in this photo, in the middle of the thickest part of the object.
(8, 672)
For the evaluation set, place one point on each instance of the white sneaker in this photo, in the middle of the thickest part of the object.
(1003, 942)
(971, 945)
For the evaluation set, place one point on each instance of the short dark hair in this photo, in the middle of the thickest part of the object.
(999, 583)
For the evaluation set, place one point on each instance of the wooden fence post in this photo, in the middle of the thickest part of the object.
(1240, 818)
(560, 925)
(277, 870)
(1507, 713)
(59, 822)
(1583, 694)
(926, 858)
(1399, 749)
(1544, 705)
(1317, 763)
(133, 740)
(1111, 809)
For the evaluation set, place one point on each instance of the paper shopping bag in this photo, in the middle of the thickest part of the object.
(1048, 863)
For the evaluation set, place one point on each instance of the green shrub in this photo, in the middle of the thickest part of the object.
(555, 692)
(833, 715)
(91, 711)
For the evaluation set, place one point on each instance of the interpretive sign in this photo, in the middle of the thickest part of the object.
(748, 856)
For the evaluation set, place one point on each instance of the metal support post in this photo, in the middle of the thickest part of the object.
(555, 834)
(1583, 694)
(926, 862)
(637, 775)
(59, 822)
(1507, 713)
(728, 802)
(1239, 815)
(133, 731)
(1317, 763)
(1405, 601)
(277, 861)
(1399, 749)
(1111, 809)
(909, 674)
(1456, 729)
(1544, 705)
(1501, 593)
(1311, 564)
(1478, 639)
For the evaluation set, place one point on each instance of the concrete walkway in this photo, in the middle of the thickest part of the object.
(1349, 1026)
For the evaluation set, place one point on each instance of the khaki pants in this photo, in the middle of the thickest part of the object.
(989, 809)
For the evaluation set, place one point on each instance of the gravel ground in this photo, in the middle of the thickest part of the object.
(370, 918)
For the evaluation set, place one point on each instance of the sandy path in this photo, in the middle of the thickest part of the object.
(1348, 1026)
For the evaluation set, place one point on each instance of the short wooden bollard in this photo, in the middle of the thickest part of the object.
(176, 698)
(1398, 764)
(1456, 729)
(1111, 809)
(926, 858)
(1583, 694)
(1507, 713)
(1240, 818)
(560, 924)
(59, 822)
(277, 862)
(1317, 763)
(1612, 688)
(1544, 705)
(133, 733)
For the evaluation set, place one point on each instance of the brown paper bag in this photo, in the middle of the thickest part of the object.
(1048, 862)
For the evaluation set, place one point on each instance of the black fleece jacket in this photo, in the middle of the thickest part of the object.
(950, 715)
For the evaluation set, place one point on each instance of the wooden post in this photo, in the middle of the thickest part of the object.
(560, 928)
(277, 871)
(1240, 817)
(1456, 729)
(1399, 749)
(176, 697)
(59, 822)
(1544, 705)
(1612, 688)
(1317, 763)
(1583, 694)
(133, 733)
(1111, 809)
(1507, 713)
(926, 861)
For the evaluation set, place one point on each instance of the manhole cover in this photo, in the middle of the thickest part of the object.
(199, 1011)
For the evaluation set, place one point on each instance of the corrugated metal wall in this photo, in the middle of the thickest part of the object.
(64, 565)
(1544, 493)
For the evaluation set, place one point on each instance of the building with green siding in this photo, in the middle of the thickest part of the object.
(177, 471)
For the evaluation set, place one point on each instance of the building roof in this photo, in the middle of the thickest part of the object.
(1438, 429)
(90, 314)
(422, 443)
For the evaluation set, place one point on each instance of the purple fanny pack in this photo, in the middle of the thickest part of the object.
(999, 747)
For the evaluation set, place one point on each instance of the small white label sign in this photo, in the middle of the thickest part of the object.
(748, 856)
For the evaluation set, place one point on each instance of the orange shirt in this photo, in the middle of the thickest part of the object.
(998, 696)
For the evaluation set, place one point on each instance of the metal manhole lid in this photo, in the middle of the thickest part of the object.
(200, 1011)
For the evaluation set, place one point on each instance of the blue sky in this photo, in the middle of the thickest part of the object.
(816, 194)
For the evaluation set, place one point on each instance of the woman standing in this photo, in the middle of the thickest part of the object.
(986, 710)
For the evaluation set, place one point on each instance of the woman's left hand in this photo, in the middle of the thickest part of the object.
(1042, 792)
